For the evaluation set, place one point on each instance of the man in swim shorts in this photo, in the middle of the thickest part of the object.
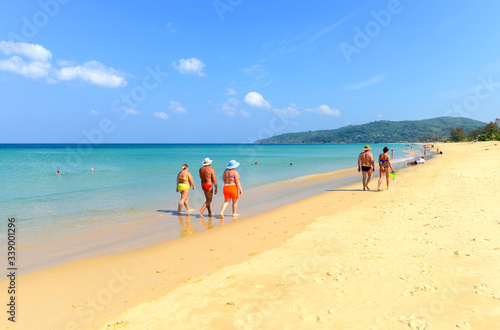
(208, 180)
(367, 165)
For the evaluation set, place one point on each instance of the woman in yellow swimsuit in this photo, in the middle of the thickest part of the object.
(184, 184)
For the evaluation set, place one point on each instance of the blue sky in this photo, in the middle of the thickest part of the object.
(233, 71)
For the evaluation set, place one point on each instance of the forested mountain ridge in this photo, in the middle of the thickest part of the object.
(382, 131)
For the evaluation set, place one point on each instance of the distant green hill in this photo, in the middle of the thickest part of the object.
(382, 131)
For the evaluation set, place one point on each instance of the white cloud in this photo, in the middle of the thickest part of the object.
(33, 61)
(170, 27)
(244, 113)
(256, 72)
(254, 99)
(66, 63)
(232, 107)
(34, 70)
(191, 65)
(325, 110)
(368, 82)
(94, 73)
(230, 92)
(229, 107)
(94, 112)
(161, 115)
(176, 107)
(379, 116)
(132, 112)
(35, 52)
(289, 112)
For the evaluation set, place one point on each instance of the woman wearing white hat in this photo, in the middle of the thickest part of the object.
(232, 186)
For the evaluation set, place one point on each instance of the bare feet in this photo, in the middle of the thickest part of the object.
(221, 215)
(236, 215)
(201, 214)
(210, 215)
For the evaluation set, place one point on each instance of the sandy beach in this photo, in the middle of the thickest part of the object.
(422, 255)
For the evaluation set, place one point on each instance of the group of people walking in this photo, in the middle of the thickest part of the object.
(366, 165)
(232, 187)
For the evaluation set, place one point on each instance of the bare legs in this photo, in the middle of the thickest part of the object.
(225, 204)
(184, 201)
(208, 195)
(386, 171)
(366, 180)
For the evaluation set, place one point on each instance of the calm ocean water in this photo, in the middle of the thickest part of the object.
(132, 182)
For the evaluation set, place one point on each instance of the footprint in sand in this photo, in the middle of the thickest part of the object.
(426, 268)
(319, 280)
(464, 325)
(413, 321)
(424, 287)
(459, 253)
(117, 325)
(484, 290)
(310, 318)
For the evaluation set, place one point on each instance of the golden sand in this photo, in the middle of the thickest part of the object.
(423, 255)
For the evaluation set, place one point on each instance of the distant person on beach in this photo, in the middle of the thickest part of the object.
(384, 162)
(392, 153)
(58, 171)
(184, 184)
(417, 162)
(208, 181)
(366, 165)
(232, 186)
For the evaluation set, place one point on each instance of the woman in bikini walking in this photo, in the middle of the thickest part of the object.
(232, 186)
(384, 161)
(184, 184)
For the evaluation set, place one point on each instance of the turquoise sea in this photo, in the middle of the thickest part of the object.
(133, 182)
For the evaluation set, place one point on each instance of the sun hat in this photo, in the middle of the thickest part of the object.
(366, 147)
(207, 161)
(232, 164)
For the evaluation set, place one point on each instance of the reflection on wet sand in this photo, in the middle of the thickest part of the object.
(210, 222)
(186, 227)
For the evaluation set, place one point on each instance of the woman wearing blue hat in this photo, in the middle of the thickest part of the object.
(232, 186)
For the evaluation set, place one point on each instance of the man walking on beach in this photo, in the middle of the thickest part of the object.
(207, 176)
(367, 165)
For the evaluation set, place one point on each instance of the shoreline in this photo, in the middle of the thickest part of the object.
(165, 226)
